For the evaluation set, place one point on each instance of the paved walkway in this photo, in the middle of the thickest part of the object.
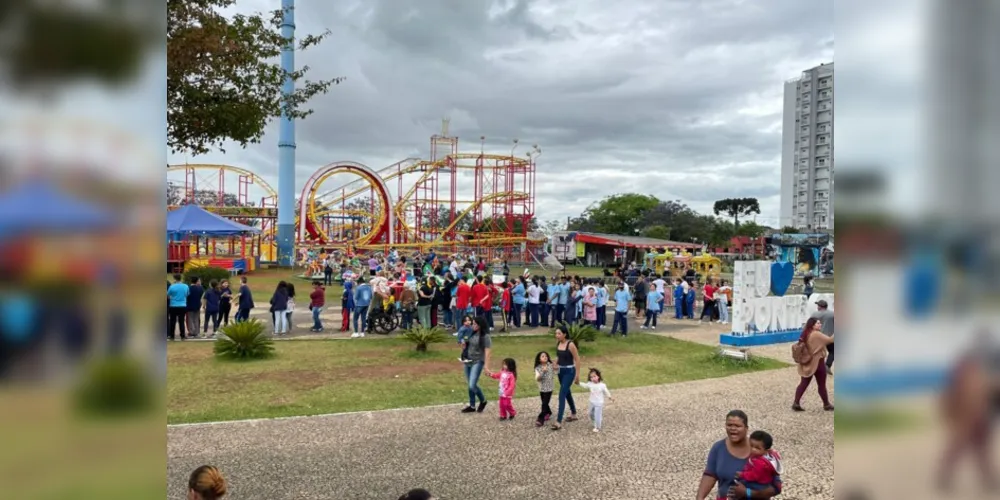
(654, 445)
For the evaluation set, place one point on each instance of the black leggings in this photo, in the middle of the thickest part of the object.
(224, 309)
(546, 410)
(829, 357)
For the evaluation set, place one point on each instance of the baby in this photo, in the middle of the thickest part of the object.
(764, 463)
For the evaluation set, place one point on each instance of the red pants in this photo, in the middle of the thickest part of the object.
(507, 408)
(345, 323)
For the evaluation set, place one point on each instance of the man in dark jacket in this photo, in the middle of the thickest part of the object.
(245, 301)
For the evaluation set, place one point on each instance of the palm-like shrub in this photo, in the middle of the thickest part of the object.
(244, 341)
(422, 336)
(115, 386)
(579, 333)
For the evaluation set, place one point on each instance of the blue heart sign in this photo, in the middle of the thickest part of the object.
(781, 277)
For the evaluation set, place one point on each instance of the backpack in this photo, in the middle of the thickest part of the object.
(801, 353)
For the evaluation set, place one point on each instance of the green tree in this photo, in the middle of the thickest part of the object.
(620, 214)
(224, 78)
(721, 233)
(751, 229)
(52, 44)
(789, 230)
(658, 232)
(736, 208)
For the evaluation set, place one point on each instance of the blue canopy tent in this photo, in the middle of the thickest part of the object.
(38, 206)
(192, 220)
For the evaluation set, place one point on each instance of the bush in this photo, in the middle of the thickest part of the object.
(422, 336)
(578, 333)
(207, 274)
(242, 341)
(115, 386)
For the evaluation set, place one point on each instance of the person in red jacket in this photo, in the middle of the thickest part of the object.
(317, 300)
(482, 301)
(463, 297)
(505, 305)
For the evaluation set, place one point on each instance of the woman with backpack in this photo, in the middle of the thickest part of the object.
(809, 353)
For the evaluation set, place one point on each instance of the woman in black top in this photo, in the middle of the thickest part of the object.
(568, 362)
(425, 297)
(226, 306)
(444, 299)
(279, 305)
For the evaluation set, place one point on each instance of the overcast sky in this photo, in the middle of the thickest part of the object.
(680, 99)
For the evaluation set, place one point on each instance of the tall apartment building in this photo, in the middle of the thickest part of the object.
(807, 151)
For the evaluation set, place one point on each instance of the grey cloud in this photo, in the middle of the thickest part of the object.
(651, 91)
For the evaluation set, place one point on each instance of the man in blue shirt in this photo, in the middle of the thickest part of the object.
(555, 293)
(563, 298)
(653, 298)
(622, 301)
(177, 294)
(602, 302)
(362, 299)
(517, 301)
(194, 306)
(245, 301)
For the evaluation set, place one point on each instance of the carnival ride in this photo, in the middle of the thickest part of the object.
(452, 202)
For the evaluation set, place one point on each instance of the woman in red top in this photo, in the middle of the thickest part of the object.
(708, 301)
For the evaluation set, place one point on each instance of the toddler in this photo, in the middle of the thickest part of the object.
(545, 375)
(463, 333)
(763, 465)
(508, 382)
(598, 392)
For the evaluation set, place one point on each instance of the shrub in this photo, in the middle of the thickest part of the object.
(422, 336)
(115, 386)
(245, 340)
(578, 333)
(207, 274)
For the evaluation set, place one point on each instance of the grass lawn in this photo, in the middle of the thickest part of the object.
(310, 377)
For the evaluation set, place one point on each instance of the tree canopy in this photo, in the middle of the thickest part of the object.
(54, 44)
(736, 208)
(224, 76)
(631, 214)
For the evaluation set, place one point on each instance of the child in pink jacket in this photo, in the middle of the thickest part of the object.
(508, 383)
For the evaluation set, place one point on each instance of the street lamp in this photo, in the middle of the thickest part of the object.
(513, 148)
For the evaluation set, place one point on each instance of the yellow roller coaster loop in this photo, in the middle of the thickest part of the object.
(378, 217)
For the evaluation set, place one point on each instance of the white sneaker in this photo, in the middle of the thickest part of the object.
(362, 334)
(596, 429)
(643, 327)
(354, 335)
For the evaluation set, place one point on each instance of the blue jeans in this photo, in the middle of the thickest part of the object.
(602, 315)
(362, 314)
(559, 313)
(533, 315)
(650, 315)
(546, 310)
(448, 317)
(472, 373)
(317, 324)
(566, 376)
(407, 321)
(515, 312)
(620, 321)
(678, 308)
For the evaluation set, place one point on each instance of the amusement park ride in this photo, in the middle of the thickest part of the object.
(453, 201)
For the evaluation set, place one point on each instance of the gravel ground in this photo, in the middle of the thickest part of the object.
(654, 444)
